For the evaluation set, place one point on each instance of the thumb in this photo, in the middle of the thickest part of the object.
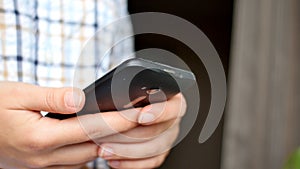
(56, 100)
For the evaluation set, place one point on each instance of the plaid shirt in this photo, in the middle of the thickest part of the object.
(41, 40)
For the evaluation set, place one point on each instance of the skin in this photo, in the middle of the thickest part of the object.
(138, 137)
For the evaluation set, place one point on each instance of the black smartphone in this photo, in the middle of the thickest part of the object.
(134, 83)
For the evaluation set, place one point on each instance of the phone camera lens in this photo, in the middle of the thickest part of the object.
(152, 91)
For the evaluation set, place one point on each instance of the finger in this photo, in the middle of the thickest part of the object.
(164, 111)
(31, 97)
(152, 162)
(147, 149)
(73, 154)
(79, 166)
(87, 127)
(140, 133)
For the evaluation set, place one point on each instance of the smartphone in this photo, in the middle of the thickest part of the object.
(134, 83)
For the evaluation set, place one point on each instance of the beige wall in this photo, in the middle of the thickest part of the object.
(263, 112)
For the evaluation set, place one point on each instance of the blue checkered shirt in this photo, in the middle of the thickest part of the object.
(41, 41)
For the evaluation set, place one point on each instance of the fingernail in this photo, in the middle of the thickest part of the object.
(106, 152)
(73, 99)
(146, 118)
(114, 163)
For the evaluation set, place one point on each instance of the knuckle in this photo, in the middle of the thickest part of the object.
(93, 153)
(49, 100)
(36, 142)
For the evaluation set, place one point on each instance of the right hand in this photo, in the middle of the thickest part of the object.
(28, 140)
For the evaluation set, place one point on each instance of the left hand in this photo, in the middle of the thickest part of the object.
(147, 145)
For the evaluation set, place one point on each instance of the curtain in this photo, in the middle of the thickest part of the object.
(262, 120)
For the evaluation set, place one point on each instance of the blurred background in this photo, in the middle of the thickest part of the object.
(259, 44)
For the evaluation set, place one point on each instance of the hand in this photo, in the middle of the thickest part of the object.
(147, 145)
(28, 140)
